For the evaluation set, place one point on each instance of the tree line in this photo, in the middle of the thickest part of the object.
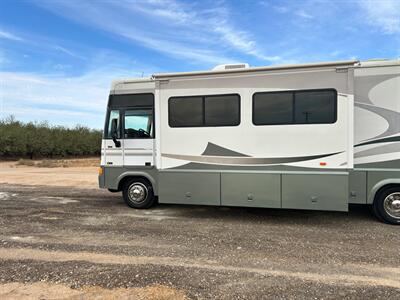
(39, 140)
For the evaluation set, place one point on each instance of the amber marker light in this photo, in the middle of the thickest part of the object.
(100, 170)
(322, 163)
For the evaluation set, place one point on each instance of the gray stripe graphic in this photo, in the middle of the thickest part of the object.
(391, 148)
(378, 141)
(387, 164)
(244, 160)
(273, 168)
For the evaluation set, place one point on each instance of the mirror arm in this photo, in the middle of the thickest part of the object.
(116, 142)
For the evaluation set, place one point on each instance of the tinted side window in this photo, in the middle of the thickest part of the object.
(315, 107)
(185, 111)
(222, 110)
(131, 100)
(273, 108)
(295, 107)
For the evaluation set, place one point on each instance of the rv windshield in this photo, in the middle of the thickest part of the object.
(138, 123)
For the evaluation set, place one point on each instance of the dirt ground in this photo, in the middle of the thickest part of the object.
(78, 172)
(43, 290)
(64, 242)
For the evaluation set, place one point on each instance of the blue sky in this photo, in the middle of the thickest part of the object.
(58, 57)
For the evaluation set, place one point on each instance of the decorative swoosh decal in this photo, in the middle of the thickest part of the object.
(384, 140)
(366, 83)
(244, 160)
(391, 116)
(215, 150)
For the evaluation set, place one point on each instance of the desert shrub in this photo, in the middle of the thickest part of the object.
(47, 163)
(37, 140)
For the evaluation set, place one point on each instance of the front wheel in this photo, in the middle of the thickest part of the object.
(138, 193)
(386, 205)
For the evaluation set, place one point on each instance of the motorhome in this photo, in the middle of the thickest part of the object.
(316, 136)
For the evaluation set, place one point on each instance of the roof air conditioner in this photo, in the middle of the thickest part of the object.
(231, 67)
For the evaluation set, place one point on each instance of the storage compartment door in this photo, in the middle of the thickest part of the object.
(315, 191)
(249, 189)
(189, 188)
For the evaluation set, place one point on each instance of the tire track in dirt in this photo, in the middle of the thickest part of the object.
(371, 275)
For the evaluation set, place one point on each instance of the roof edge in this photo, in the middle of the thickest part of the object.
(255, 69)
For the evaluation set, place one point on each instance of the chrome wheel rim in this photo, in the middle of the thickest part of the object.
(391, 204)
(137, 192)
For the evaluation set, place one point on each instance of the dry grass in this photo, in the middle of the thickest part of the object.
(25, 162)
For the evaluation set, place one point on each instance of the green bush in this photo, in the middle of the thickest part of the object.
(36, 140)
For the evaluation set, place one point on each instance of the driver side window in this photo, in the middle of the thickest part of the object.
(114, 114)
(138, 123)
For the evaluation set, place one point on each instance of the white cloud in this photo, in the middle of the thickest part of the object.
(45, 114)
(60, 99)
(61, 67)
(39, 42)
(178, 29)
(280, 9)
(241, 41)
(301, 13)
(384, 14)
(66, 51)
(171, 10)
(10, 36)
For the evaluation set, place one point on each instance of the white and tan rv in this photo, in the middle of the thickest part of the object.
(309, 136)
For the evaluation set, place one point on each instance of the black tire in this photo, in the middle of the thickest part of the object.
(113, 191)
(381, 211)
(138, 188)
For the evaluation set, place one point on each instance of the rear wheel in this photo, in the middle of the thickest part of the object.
(138, 193)
(386, 205)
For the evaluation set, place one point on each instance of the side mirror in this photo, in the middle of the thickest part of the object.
(114, 132)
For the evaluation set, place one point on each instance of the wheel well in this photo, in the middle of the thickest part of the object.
(126, 178)
(386, 186)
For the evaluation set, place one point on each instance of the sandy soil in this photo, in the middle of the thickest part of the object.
(42, 290)
(79, 173)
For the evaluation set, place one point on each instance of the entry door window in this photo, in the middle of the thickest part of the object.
(138, 124)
